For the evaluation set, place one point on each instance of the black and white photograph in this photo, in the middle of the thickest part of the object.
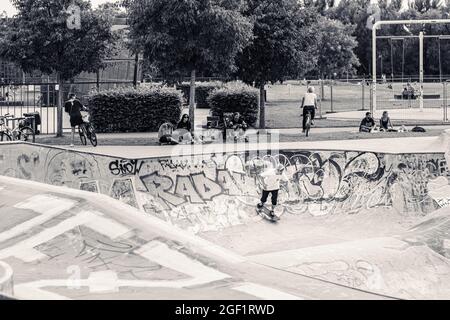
(223, 157)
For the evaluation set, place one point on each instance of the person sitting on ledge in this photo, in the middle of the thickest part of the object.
(239, 126)
(385, 122)
(184, 130)
(165, 134)
(408, 92)
(367, 124)
(405, 93)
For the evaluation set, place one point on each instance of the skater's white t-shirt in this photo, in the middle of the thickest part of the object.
(272, 179)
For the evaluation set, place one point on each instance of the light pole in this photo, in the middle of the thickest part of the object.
(421, 70)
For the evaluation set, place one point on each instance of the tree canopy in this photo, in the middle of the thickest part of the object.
(181, 36)
(283, 42)
(336, 55)
(404, 52)
(41, 37)
(38, 38)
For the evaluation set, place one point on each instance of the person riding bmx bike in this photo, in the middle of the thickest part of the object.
(73, 107)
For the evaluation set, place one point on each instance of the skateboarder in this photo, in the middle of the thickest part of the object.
(271, 185)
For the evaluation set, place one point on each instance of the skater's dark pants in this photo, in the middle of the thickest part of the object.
(265, 194)
(311, 110)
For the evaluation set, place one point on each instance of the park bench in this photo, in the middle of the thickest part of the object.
(414, 97)
(212, 122)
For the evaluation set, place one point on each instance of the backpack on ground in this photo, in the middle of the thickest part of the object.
(418, 129)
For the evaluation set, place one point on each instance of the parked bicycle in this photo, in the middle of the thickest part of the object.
(20, 132)
(87, 131)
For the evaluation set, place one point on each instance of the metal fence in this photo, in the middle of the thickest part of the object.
(349, 96)
(353, 95)
(41, 97)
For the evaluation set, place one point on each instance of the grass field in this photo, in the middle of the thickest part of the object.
(283, 102)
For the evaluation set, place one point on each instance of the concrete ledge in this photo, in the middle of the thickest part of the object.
(408, 145)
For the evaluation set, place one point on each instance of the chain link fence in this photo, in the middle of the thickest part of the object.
(355, 96)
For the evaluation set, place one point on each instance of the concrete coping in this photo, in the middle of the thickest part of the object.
(5, 272)
(402, 145)
(6, 275)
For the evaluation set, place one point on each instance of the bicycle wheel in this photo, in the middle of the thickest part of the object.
(25, 134)
(5, 136)
(82, 132)
(92, 135)
(308, 125)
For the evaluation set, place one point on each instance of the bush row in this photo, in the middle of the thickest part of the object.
(235, 98)
(134, 110)
(146, 108)
(202, 91)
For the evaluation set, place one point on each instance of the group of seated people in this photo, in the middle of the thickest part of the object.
(368, 123)
(184, 133)
(238, 126)
(408, 92)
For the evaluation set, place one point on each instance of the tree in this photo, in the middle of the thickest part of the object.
(189, 36)
(423, 6)
(320, 5)
(336, 45)
(356, 12)
(41, 38)
(283, 44)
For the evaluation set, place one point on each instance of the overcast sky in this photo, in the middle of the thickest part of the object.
(6, 5)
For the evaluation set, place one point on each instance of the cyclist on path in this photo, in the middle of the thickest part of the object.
(309, 104)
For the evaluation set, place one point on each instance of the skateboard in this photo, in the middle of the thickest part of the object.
(265, 213)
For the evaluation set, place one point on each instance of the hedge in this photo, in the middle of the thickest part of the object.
(235, 98)
(134, 110)
(202, 90)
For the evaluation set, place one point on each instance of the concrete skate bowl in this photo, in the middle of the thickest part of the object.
(359, 219)
(6, 281)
